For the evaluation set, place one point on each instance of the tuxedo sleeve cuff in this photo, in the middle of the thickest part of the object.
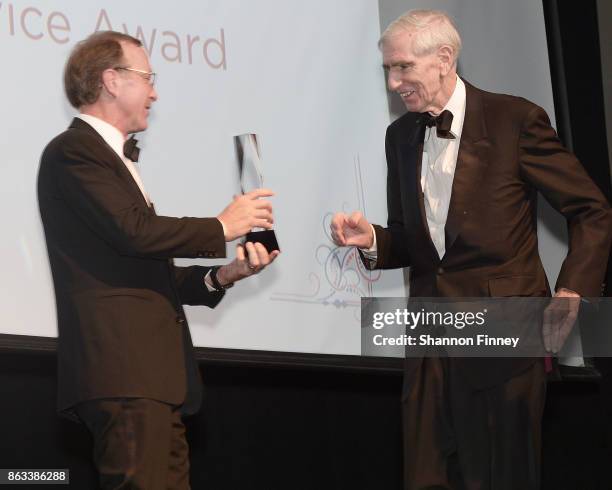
(371, 254)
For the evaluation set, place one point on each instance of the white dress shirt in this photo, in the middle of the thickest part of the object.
(438, 168)
(438, 171)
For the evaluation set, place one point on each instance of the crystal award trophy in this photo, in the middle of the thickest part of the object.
(251, 178)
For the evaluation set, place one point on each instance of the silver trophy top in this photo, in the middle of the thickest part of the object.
(249, 162)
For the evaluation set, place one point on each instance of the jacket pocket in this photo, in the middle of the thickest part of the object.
(517, 286)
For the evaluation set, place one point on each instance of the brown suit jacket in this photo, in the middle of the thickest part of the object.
(121, 326)
(508, 152)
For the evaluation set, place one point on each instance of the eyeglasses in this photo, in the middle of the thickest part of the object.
(149, 76)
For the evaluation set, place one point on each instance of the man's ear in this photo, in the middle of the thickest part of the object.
(110, 82)
(445, 56)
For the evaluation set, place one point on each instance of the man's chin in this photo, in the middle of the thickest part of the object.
(139, 127)
(412, 106)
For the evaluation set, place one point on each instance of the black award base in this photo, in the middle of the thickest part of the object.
(266, 237)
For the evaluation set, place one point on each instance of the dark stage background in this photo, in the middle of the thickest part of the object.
(265, 428)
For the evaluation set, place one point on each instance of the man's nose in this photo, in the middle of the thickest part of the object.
(393, 82)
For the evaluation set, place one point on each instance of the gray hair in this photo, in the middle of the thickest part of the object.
(432, 28)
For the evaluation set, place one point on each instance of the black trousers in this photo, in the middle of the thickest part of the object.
(456, 438)
(139, 444)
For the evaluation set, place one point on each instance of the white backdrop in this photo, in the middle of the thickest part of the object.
(305, 76)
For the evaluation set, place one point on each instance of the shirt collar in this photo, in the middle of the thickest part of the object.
(456, 104)
(113, 137)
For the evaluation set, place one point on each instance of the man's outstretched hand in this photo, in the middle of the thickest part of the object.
(353, 230)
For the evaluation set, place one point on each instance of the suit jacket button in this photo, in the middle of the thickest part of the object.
(440, 270)
(180, 320)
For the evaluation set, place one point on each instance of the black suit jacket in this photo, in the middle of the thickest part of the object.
(508, 152)
(121, 326)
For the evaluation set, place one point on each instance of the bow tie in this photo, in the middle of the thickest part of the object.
(442, 123)
(130, 150)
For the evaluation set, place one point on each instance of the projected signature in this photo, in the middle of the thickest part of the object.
(342, 280)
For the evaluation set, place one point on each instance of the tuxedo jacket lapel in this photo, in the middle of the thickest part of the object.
(412, 158)
(472, 162)
(124, 173)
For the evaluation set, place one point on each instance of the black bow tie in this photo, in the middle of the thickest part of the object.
(442, 123)
(130, 150)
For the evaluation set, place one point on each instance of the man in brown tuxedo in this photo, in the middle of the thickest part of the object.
(126, 365)
(464, 168)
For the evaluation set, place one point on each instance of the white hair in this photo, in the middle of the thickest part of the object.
(432, 28)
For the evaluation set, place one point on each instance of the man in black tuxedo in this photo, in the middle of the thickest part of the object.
(464, 169)
(126, 365)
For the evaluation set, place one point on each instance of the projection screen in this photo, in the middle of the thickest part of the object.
(306, 77)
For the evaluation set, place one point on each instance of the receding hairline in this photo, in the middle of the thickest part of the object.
(139, 48)
(436, 25)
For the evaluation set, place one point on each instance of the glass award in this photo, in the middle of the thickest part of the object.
(251, 178)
